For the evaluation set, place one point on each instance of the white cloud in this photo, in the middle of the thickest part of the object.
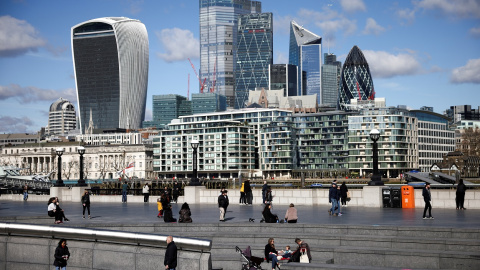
(281, 58)
(457, 8)
(385, 65)
(10, 124)
(351, 6)
(18, 37)
(475, 32)
(469, 73)
(31, 94)
(373, 28)
(342, 24)
(179, 45)
(281, 24)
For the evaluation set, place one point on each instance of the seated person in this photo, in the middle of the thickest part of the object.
(271, 253)
(185, 214)
(287, 253)
(268, 216)
(168, 214)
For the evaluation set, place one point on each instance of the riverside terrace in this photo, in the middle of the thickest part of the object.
(363, 238)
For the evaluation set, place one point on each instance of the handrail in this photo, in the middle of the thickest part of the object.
(103, 235)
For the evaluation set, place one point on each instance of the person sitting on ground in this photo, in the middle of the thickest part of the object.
(287, 253)
(303, 247)
(291, 214)
(52, 210)
(268, 216)
(271, 253)
(60, 209)
(168, 214)
(185, 214)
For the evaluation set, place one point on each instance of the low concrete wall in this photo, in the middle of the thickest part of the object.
(369, 196)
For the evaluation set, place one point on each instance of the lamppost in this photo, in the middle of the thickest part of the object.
(376, 179)
(194, 181)
(59, 179)
(81, 181)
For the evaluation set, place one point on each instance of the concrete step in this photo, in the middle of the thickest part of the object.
(321, 266)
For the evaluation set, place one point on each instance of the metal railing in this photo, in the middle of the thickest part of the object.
(200, 245)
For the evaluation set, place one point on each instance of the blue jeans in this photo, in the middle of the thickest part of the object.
(60, 268)
(334, 204)
(274, 259)
(338, 204)
(25, 196)
(124, 196)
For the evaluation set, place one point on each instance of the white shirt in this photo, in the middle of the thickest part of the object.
(52, 207)
(145, 189)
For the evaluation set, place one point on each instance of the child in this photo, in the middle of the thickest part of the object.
(160, 208)
(287, 253)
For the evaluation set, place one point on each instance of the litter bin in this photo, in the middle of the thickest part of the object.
(408, 197)
(396, 198)
(387, 197)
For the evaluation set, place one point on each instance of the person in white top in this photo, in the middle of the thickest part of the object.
(146, 192)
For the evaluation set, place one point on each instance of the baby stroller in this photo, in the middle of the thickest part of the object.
(252, 261)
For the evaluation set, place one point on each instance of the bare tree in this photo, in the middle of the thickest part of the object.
(470, 144)
(69, 168)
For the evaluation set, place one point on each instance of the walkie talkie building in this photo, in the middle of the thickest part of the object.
(110, 57)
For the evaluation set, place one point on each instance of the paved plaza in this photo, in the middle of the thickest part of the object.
(138, 213)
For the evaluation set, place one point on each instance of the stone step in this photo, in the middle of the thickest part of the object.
(322, 266)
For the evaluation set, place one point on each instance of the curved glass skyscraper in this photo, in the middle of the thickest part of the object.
(110, 57)
(356, 81)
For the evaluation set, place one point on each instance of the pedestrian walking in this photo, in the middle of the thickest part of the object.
(176, 191)
(427, 197)
(124, 192)
(86, 203)
(248, 192)
(146, 192)
(264, 191)
(170, 260)
(61, 255)
(460, 195)
(25, 192)
(333, 196)
(223, 204)
(343, 194)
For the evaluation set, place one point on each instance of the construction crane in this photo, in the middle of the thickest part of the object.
(202, 85)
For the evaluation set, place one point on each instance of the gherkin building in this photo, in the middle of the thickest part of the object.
(356, 81)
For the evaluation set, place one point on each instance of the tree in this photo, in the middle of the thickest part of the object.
(470, 142)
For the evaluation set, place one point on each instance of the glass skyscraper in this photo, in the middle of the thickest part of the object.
(356, 80)
(330, 80)
(254, 54)
(306, 52)
(218, 42)
(284, 76)
(110, 57)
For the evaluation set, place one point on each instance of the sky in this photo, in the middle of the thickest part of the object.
(420, 52)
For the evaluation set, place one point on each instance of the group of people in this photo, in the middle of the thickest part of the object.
(302, 254)
(337, 196)
(171, 193)
(290, 216)
(246, 195)
(54, 209)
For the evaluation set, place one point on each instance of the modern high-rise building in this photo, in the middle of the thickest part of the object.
(254, 54)
(110, 57)
(284, 76)
(61, 117)
(330, 80)
(306, 52)
(218, 42)
(166, 108)
(208, 103)
(356, 80)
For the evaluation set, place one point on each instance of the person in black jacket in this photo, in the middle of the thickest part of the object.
(427, 197)
(170, 260)
(223, 204)
(61, 255)
(185, 214)
(333, 196)
(460, 194)
(86, 203)
(248, 191)
(168, 214)
(271, 253)
(176, 191)
(268, 216)
(343, 194)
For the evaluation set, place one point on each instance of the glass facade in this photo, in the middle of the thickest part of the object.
(356, 80)
(169, 107)
(61, 117)
(330, 80)
(253, 55)
(284, 76)
(305, 51)
(311, 63)
(110, 57)
(218, 42)
(208, 102)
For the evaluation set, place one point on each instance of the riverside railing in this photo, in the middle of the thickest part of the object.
(199, 245)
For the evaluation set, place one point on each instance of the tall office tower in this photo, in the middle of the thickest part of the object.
(218, 42)
(254, 54)
(330, 80)
(306, 52)
(284, 76)
(208, 103)
(61, 117)
(166, 108)
(110, 57)
(356, 81)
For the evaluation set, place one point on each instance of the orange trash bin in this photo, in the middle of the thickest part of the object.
(408, 197)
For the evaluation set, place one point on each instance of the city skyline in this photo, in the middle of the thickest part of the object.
(420, 53)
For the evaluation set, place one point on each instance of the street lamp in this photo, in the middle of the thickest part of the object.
(194, 181)
(376, 179)
(81, 181)
(59, 183)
